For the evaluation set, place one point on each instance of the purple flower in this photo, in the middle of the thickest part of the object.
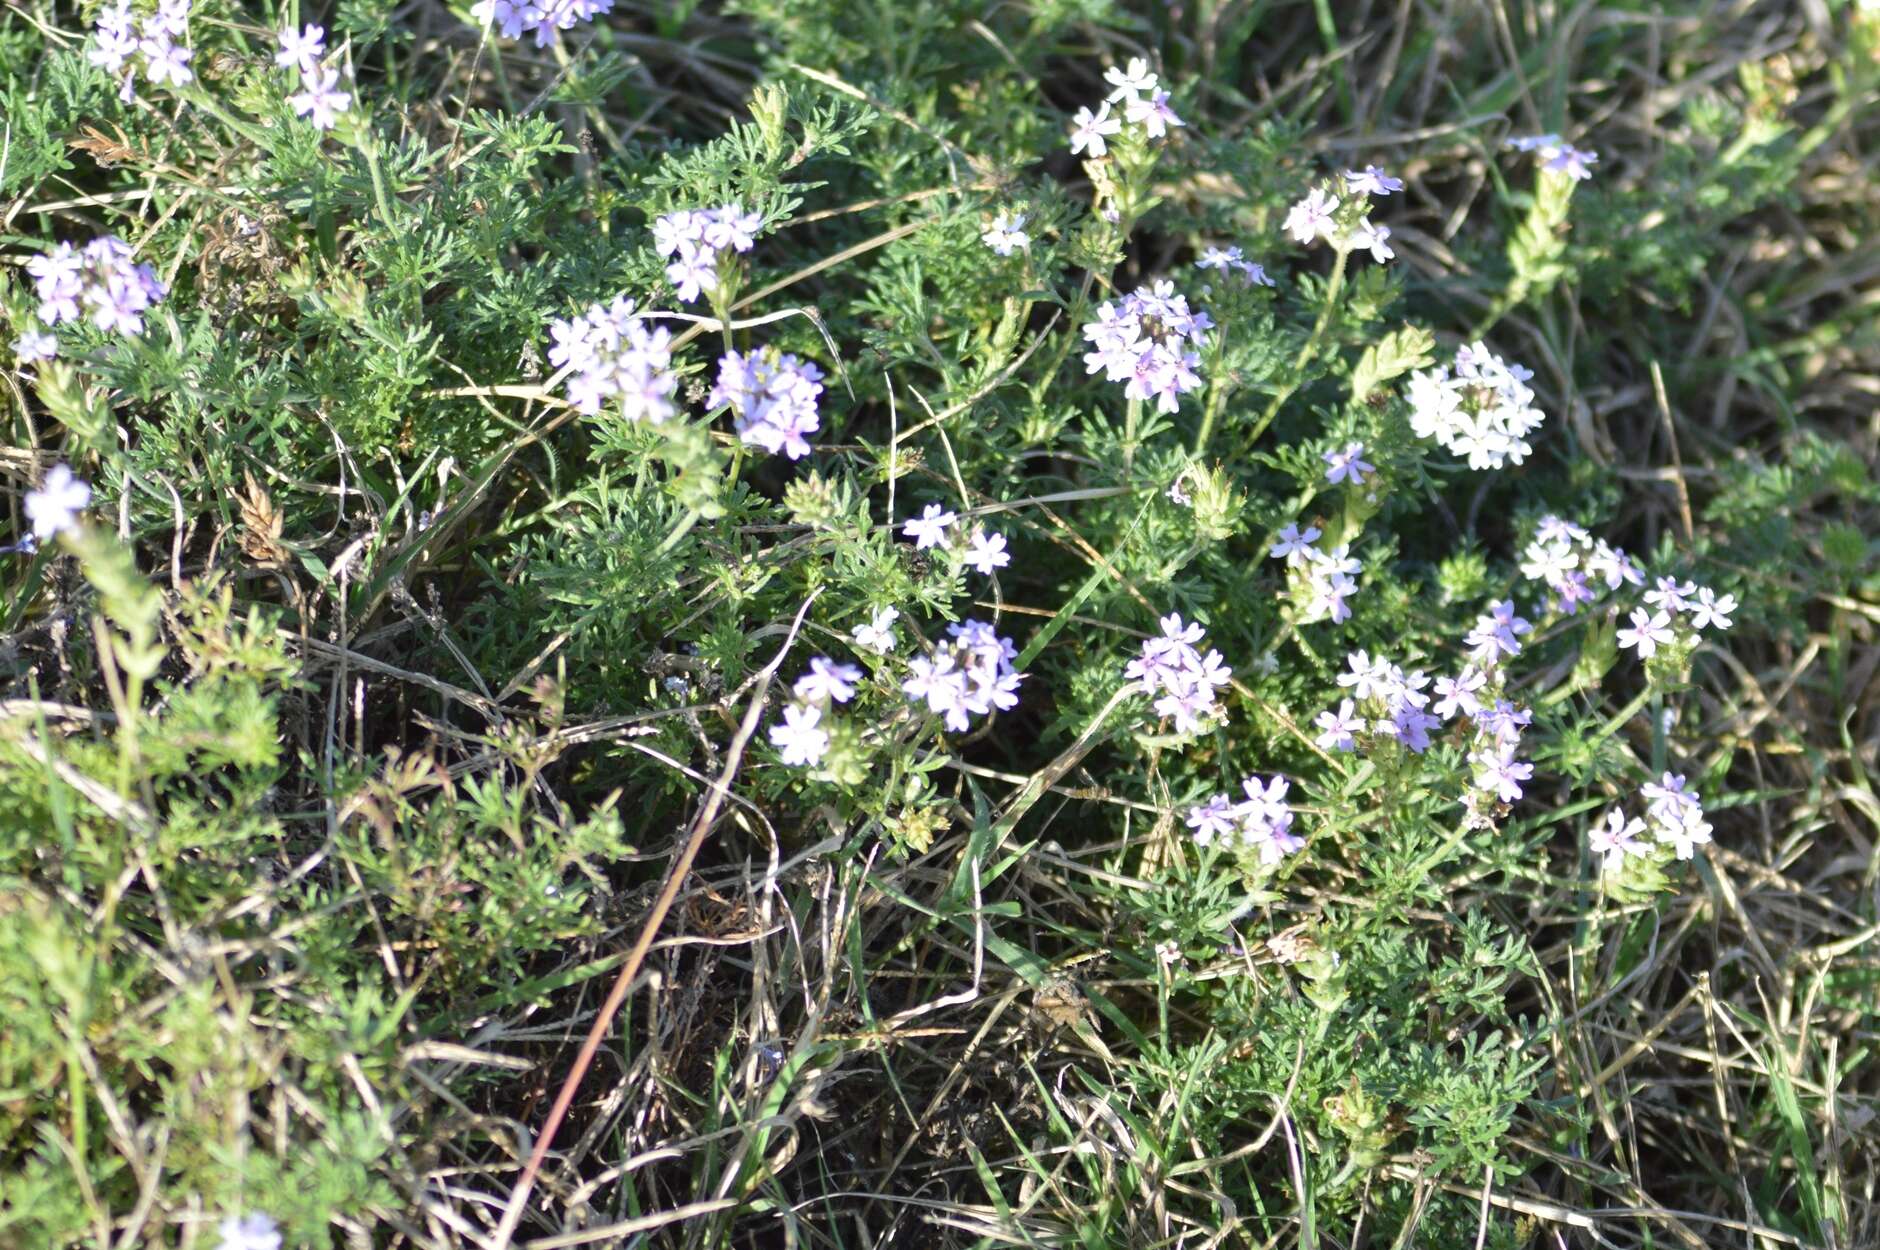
(1170, 666)
(929, 529)
(1215, 820)
(615, 357)
(1347, 465)
(1370, 236)
(1153, 113)
(1571, 161)
(988, 552)
(798, 738)
(969, 676)
(1671, 596)
(827, 680)
(1294, 547)
(1501, 774)
(729, 226)
(54, 507)
(693, 272)
(166, 61)
(35, 345)
(301, 51)
(1457, 694)
(773, 397)
(1145, 340)
(542, 18)
(1371, 181)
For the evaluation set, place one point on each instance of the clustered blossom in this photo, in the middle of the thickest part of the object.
(55, 506)
(1232, 258)
(1143, 104)
(1315, 216)
(254, 1231)
(1171, 670)
(695, 240)
(1262, 821)
(801, 738)
(1326, 579)
(1147, 340)
(773, 396)
(542, 18)
(1558, 155)
(972, 675)
(121, 36)
(1007, 234)
(320, 100)
(99, 281)
(1480, 408)
(616, 357)
(1674, 815)
(1579, 570)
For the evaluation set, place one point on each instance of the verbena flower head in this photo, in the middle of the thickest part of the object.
(1647, 632)
(1006, 234)
(970, 675)
(773, 396)
(1347, 464)
(100, 281)
(320, 100)
(828, 681)
(54, 508)
(987, 552)
(695, 239)
(615, 357)
(1615, 840)
(119, 37)
(1676, 815)
(1262, 822)
(541, 18)
(1480, 408)
(1181, 680)
(254, 1231)
(301, 50)
(1146, 340)
(1558, 155)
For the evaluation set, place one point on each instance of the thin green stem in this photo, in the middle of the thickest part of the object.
(1307, 350)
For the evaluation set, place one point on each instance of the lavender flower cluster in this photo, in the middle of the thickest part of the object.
(541, 18)
(320, 100)
(695, 239)
(1262, 821)
(1325, 580)
(801, 737)
(121, 37)
(970, 676)
(1233, 260)
(1481, 408)
(1146, 340)
(773, 397)
(615, 356)
(1674, 814)
(1316, 216)
(1172, 670)
(99, 281)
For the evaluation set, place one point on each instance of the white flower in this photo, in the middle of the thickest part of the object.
(1153, 114)
(1134, 79)
(1311, 217)
(930, 528)
(1294, 547)
(1712, 610)
(301, 50)
(878, 634)
(35, 345)
(1092, 130)
(1647, 633)
(1005, 235)
(54, 507)
(798, 739)
(254, 1231)
(1371, 181)
(988, 552)
(1371, 237)
(1616, 839)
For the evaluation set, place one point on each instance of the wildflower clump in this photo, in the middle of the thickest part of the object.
(773, 396)
(120, 39)
(1480, 408)
(970, 675)
(100, 282)
(1173, 671)
(1262, 822)
(541, 18)
(697, 241)
(613, 356)
(319, 100)
(1148, 341)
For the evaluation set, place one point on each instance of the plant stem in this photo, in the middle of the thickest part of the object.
(1307, 351)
